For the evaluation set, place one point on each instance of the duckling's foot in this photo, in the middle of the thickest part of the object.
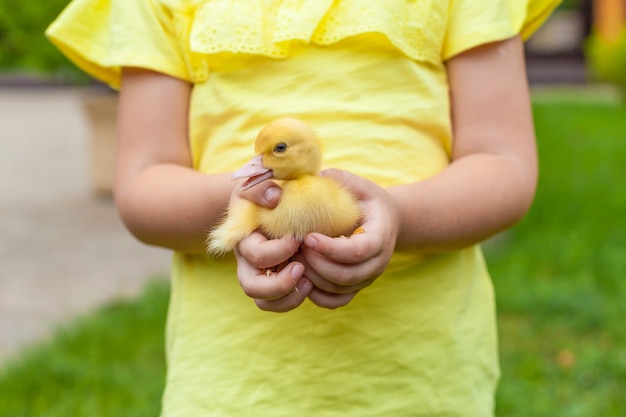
(358, 231)
(275, 269)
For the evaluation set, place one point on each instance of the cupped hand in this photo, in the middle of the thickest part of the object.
(340, 267)
(267, 275)
(264, 270)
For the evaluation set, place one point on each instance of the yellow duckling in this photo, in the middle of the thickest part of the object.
(287, 150)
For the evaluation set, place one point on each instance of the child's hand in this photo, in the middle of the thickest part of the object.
(265, 194)
(263, 268)
(266, 274)
(339, 267)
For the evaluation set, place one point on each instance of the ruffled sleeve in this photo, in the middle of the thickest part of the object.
(101, 36)
(469, 26)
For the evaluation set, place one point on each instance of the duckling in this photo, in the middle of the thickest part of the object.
(289, 151)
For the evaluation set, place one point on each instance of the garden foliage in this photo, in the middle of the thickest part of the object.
(607, 59)
(24, 47)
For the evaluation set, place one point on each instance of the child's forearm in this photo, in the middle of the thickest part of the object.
(159, 196)
(172, 206)
(490, 184)
(476, 197)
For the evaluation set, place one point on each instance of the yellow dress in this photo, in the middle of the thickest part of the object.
(369, 76)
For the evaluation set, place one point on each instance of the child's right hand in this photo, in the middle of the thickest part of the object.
(283, 288)
(266, 274)
(265, 194)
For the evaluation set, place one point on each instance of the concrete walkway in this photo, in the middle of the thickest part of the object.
(63, 249)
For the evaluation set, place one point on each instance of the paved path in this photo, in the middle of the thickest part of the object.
(63, 249)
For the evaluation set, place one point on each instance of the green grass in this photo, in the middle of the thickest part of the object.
(560, 277)
(110, 363)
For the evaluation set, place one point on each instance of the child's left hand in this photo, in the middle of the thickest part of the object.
(340, 267)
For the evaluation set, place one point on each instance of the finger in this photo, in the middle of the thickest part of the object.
(262, 285)
(266, 194)
(263, 253)
(334, 277)
(288, 302)
(340, 279)
(359, 186)
(355, 249)
(329, 286)
(331, 301)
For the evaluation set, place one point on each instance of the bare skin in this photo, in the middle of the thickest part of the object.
(488, 186)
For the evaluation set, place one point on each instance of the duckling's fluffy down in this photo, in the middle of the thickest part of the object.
(289, 151)
(309, 204)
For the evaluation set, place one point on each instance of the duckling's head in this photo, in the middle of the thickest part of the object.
(286, 149)
(290, 149)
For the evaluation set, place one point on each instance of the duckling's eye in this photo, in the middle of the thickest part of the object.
(280, 147)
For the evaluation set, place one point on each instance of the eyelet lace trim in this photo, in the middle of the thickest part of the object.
(267, 27)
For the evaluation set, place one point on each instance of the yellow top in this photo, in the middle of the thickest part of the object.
(369, 76)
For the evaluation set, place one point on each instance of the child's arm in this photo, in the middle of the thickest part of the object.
(164, 202)
(487, 188)
(161, 199)
(490, 184)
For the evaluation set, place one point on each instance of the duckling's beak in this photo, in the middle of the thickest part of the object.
(254, 171)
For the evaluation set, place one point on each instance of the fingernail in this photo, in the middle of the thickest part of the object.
(305, 286)
(296, 271)
(271, 194)
(311, 242)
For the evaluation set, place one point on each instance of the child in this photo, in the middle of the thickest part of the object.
(424, 110)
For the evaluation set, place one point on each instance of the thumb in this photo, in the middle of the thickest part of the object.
(266, 194)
